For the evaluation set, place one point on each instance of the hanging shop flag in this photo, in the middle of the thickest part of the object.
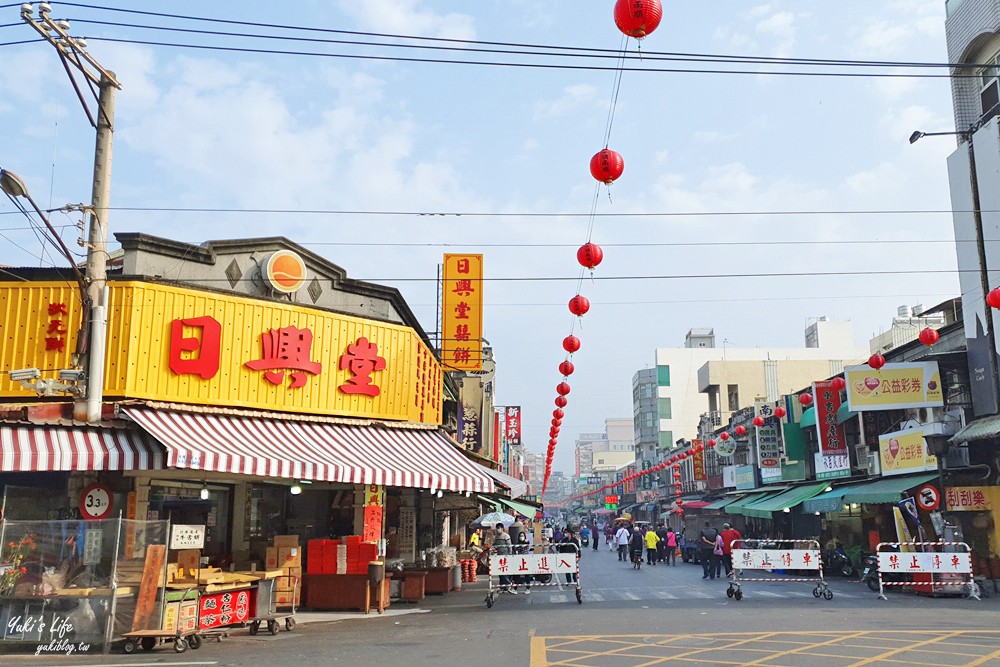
(832, 460)
(630, 485)
(462, 313)
(470, 415)
(894, 386)
(769, 443)
(498, 421)
(698, 461)
(512, 425)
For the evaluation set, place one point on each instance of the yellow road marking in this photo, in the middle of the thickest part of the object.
(576, 649)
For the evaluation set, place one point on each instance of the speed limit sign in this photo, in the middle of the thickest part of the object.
(95, 502)
(928, 498)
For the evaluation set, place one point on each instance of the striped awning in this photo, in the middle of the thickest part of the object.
(30, 448)
(318, 451)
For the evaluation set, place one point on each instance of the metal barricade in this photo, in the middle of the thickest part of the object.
(542, 565)
(773, 555)
(953, 567)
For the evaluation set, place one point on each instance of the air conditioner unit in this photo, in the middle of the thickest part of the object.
(872, 465)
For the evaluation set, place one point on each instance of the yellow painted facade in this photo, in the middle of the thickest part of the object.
(142, 335)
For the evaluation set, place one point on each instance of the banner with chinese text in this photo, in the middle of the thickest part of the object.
(780, 559)
(470, 415)
(969, 498)
(769, 443)
(630, 485)
(894, 386)
(832, 439)
(952, 562)
(528, 564)
(462, 313)
(512, 425)
(904, 452)
(698, 462)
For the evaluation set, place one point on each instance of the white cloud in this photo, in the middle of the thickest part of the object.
(578, 96)
(407, 17)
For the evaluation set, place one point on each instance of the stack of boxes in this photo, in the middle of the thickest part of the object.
(350, 556)
(286, 555)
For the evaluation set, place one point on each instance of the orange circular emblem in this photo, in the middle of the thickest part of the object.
(285, 271)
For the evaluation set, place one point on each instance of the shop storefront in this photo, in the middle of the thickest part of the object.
(246, 414)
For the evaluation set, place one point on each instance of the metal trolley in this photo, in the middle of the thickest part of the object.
(541, 565)
(772, 555)
(266, 610)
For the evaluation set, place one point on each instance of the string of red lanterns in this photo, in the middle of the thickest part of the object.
(634, 18)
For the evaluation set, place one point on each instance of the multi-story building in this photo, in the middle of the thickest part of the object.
(700, 378)
(906, 326)
(534, 470)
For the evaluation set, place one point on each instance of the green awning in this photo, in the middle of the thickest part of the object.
(720, 503)
(884, 490)
(492, 502)
(762, 509)
(736, 507)
(809, 416)
(521, 508)
(981, 429)
(843, 414)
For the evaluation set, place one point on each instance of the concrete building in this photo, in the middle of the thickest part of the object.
(534, 470)
(698, 378)
(906, 326)
(645, 420)
(617, 438)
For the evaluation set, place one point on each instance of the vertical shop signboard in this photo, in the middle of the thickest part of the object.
(832, 461)
(462, 313)
(769, 443)
(372, 531)
(698, 461)
(470, 415)
(407, 534)
(512, 424)
(630, 485)
(497, 433)
(375, 495)
(619, 476)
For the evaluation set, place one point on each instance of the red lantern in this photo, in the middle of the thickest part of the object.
(929, 336)
(741, 430)
(607, 166)
(805, 399)
(677, 475)
(562, 388)
(838, 383)
(571, 344)
(679, 502)
(561, 401)
(589, 255)
(758, 421)
(683, 455)
(552, 442)
(638, 18)
(556, 422)
(780, 412)
(579, 305)
(711, 443)
(680, 511)
(993, 298)
(724, 436)
(674, 458)
(876, 361)
(567, 368)
(558, 414)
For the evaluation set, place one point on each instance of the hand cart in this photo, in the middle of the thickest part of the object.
(182, 637)
(542, 567)
(773, 555)
(266, 610)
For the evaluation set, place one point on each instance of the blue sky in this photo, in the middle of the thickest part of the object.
(198, 128)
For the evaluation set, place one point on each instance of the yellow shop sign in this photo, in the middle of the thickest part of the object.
(188, 346)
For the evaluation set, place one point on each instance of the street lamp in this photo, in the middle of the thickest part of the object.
(977, 216)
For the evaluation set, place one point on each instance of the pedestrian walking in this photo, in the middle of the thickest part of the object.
(597, 537)
(661, 546)
(652, 539)
(516, 529)
(729, 535)
(717, 561)
(636, 542)
(609, 536)
(570, 544)
(501, 542)
(622, 536)
(706, 550)
(670, 549)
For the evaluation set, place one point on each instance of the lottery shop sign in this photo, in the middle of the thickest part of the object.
(188, 346)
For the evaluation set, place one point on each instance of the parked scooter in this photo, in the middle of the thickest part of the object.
(838, 562)
(869, 574)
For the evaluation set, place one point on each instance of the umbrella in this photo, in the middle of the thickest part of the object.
(492, 519)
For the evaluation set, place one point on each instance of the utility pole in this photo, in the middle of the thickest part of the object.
(92, 337)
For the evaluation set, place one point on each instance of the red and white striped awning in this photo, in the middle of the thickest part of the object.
(31, 448)
(291, 449)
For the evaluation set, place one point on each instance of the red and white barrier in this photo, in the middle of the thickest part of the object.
(954, 566)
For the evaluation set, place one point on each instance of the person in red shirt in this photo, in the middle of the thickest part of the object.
(729, 535)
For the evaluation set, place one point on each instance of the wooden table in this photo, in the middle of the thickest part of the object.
(344, 592)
